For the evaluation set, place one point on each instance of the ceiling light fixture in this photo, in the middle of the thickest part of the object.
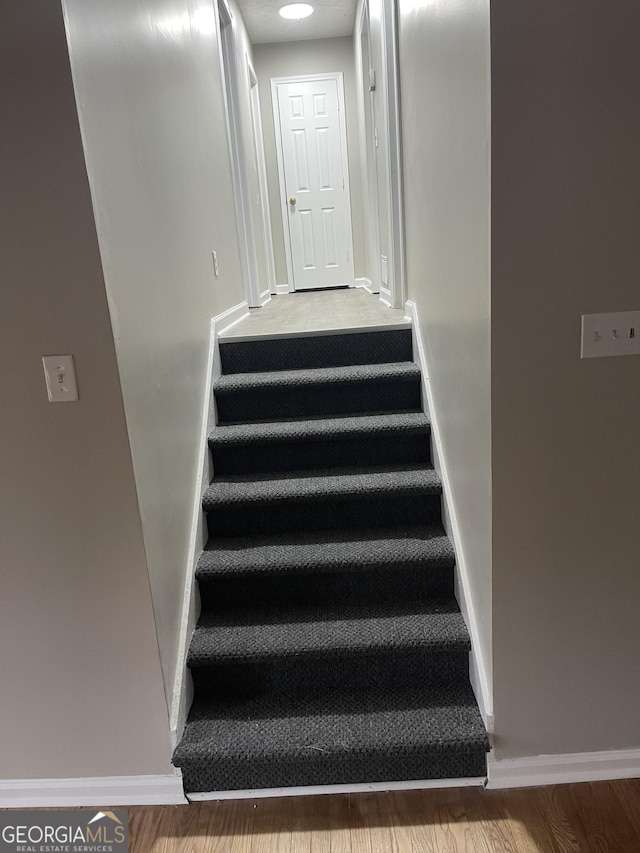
(296, 11)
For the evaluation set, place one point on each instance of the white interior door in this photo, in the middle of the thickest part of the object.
(314, 181)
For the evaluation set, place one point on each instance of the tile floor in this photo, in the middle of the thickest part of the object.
(305, 311)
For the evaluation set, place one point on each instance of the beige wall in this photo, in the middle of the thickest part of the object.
(150, 97)
(309, 57)
(566, 457)
(81, 682)
(444, 70)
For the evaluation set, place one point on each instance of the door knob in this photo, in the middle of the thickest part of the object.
(292, 200)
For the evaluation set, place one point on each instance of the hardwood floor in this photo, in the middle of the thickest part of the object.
(591, 818)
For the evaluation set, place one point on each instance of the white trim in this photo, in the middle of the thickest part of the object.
(258, 141)
(385, 297)
(394, 153)
(183, 685)
(226, 39)
(565, 768)
(92, 791)
(362, 788)
(282, 289)
(338, 76)
(478, 672)
(366, 114)
(365, 283)
(265, 297)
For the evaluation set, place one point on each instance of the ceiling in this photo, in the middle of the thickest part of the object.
(330, 19)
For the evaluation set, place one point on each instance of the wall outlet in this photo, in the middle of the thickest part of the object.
(216, 271)
(610, 334)
(60, 375)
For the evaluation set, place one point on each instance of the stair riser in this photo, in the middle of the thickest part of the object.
(344, 398)
(257, 518)
(366, 450)
(405, 583)
(452, 762)
(301, 353)
(304, 676)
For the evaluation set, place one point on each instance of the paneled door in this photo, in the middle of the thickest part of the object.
(314, 181)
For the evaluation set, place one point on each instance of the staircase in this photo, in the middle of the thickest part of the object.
(330, 648)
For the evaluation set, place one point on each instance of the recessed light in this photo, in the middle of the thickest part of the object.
(296, 11)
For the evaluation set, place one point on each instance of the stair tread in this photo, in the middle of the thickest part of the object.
(318, 428)
(231, 382)
(318, 485)
(333, 727)
(258, 635)
(325, 551)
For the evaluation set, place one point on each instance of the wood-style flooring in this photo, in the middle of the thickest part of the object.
(589, 818)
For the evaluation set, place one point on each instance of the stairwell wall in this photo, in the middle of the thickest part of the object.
(150, 100)
(81, 691)
(444, 80)
(566, 456)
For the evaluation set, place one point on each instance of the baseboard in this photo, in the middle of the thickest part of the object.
(265, 297)
(560, 769)
(230, 317)
(93, 791)
(314, 790)
(478, 674)
(366, 283)
(282, 289)
(182, 695)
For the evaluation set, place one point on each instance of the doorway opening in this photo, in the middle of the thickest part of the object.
(318, 161)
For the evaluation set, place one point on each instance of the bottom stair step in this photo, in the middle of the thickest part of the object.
(350, 738)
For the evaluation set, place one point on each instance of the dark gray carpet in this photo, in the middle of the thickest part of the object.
(365, 388)
(372, 736)
(330, 648)
(300, 352)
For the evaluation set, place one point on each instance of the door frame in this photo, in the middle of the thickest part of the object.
(227, 50)
(338, 76)
(390, 124)
(258, 139)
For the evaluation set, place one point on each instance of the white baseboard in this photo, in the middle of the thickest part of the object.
(559, 769)
(314, 790)
(478, 673)
(230, 317)
(265, 297)
(366, 283)
(93, 791)
(282, 289)
(183, 685)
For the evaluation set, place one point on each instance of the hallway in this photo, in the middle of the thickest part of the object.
(306, 311)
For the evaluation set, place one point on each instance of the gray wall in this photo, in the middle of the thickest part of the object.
(309, 57)
(150, 97)
(444, 70)
(81, 682)
(566, 455)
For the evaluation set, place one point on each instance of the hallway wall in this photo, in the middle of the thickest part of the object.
(81, 686)
(310, 57)
(150, 99)
(444, 71)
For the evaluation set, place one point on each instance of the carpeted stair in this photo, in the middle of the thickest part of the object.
(330, 648)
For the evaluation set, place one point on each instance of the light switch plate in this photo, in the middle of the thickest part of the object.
(610, 334)
(60, 375)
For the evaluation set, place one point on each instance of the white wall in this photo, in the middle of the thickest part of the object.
(150, 98)
(444, 70)
(81, 682)
(310, 57)
(566, 456)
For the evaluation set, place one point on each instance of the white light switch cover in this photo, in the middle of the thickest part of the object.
(610, 334)
(60, 374)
